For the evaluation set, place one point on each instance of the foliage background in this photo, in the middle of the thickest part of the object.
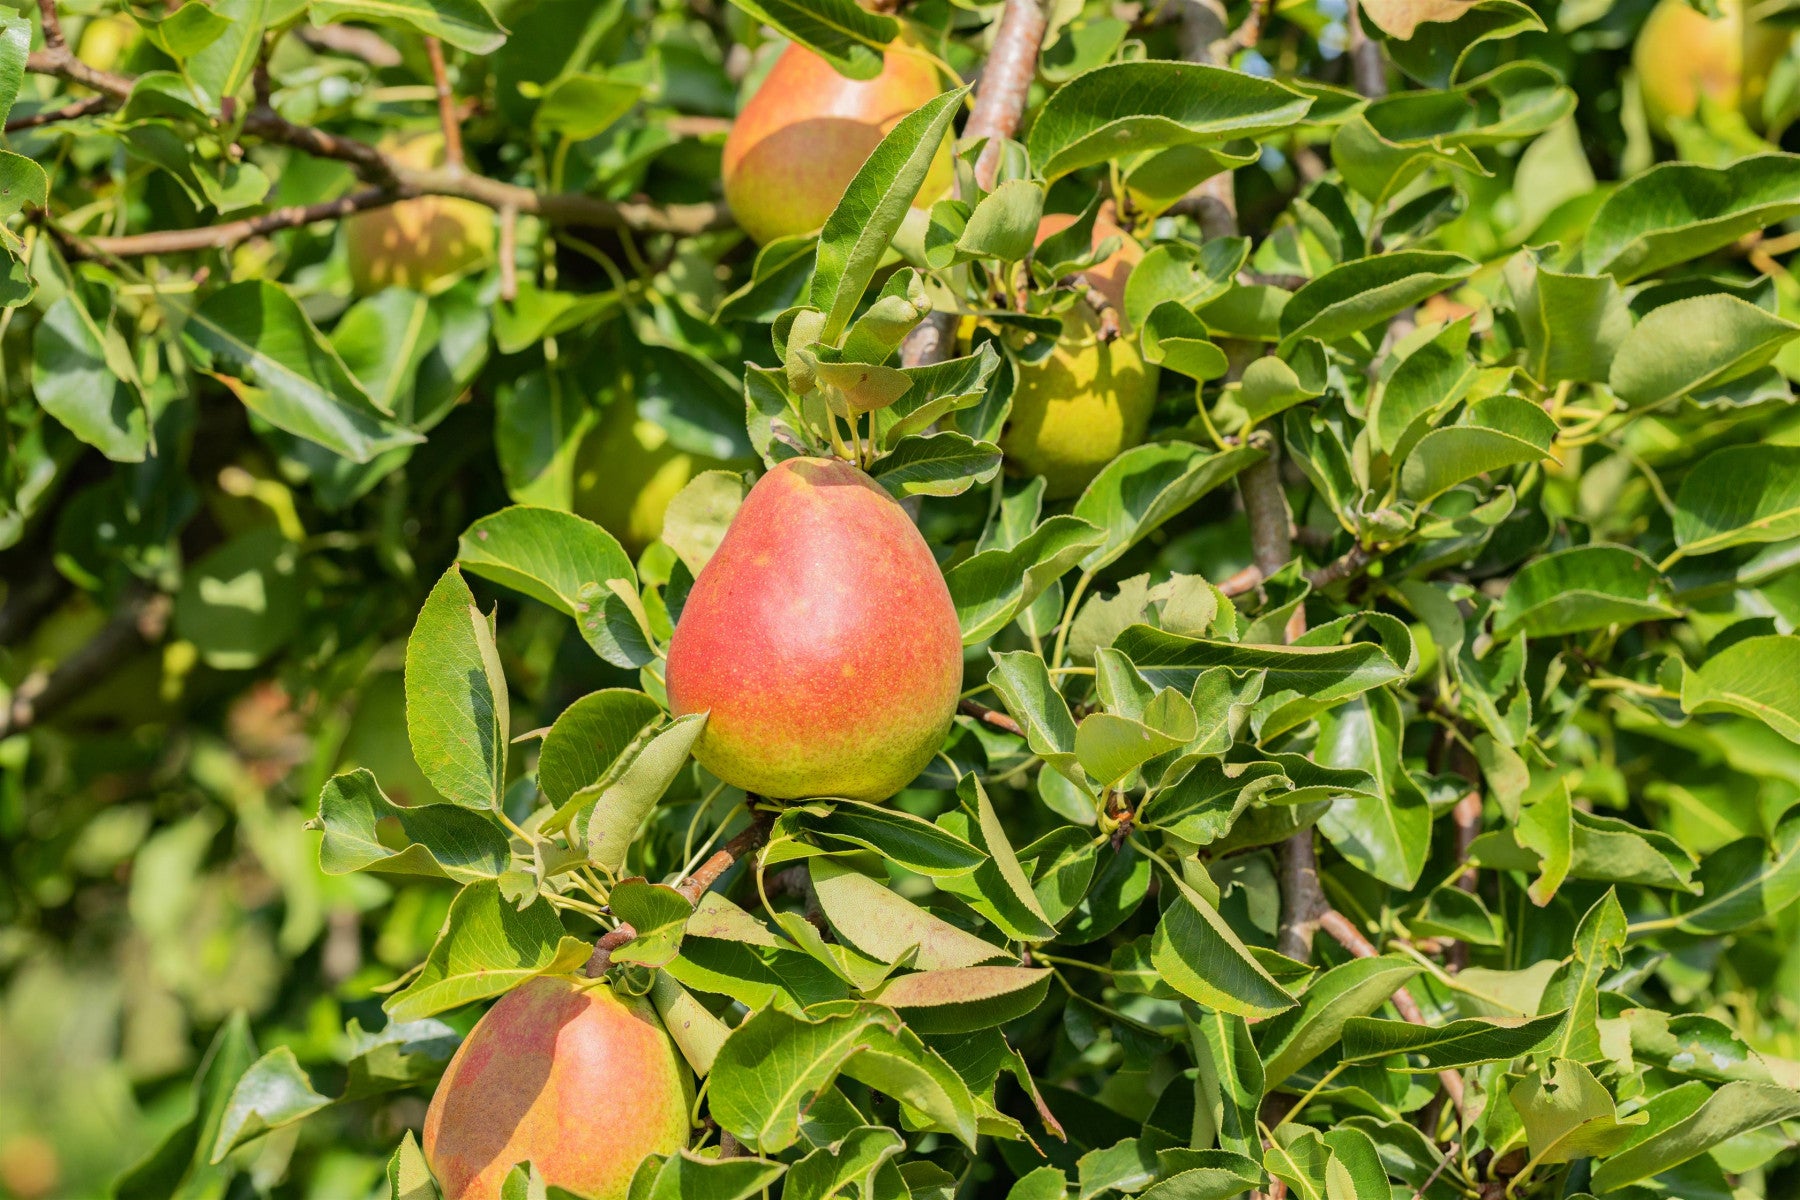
(206, 613)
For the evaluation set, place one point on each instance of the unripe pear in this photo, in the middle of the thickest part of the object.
(802, 137)
(628, 470)
(582, 1082)
(421, 244)
(821, 639)
(107, 41)
(1091, 397)
(1682, 55)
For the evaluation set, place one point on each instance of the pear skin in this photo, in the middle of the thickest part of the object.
(821, 639)
(802, 137)
(1682, 55)
(628, 470)
(561, 1071)
(421, 244)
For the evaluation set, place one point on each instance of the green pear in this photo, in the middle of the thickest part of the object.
(582, 1082)
(628, 470)
(821, 639)
(1682, 55)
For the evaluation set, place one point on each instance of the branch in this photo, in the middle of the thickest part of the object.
(139, 623)
(381, 171)
(53, 34)
(1368, 69)
(230, 233)
(989, 716)
(446, 100)
(1350, 938)
(1005, 82)
(351, 40)
(68, 112)
(705, 875)
(737, 849)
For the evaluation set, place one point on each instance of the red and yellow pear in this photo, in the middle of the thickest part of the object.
(1091, 397)
(1682, 55)
(584, 1083)
(423, 244)
(802, 137)
(821, 639)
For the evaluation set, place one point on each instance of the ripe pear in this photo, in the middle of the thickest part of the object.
(821, 639)
(1682, 55)
(584, 1083)
(423, 244)
(627, 471)
(106, 42)
(802, 137)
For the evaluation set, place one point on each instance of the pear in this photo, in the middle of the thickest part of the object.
(1682, 55)
(1091, 397)
(424, 244)
(799, 141)
(628, 470)
(561, 1071)
(821, 639)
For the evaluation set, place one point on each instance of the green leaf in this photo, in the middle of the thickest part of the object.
(408, 1176)
(1196, 953)
(1145, 486)
(1757, 677)
(1185, 275)
(1734, 1109)
(659, 915)
(842, 32)
(286, 373)
(1580, 589)
(15, 47)
(991, 588)
(488, 946)
(83, 375)
(686, 1175)
(615, 808)
(1273, 384)
(1127, 108)
(1675, 212)
(1693, 344)
(181, 1160)
(1430, 378)
(1458, 1044)
(857, 233)
(589, 738)
(190, 29)
(1569, 1114)
(561, 560)
(1574, 324)
(1745, 882)
(465, 24)
(1350, 298)
(872, 918)
(1229, 1080)
(965, 999)
(1357, 988)
(911, 842)
(442, 840)
(1433, 51)
(1738, 496)
(1385, 832)
(1599, 946)
(585, 105)
(1004, 224)
(274, 1091)
(699, 516)
(1498, 432)
(936, 464)
(456, 702)
(1022, 681)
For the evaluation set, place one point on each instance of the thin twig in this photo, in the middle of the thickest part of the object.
(509, 253)
(380, 170)
(140, 622)
(1347, 935)
(727, 856)
(990, 716)
(68, 112)
(1367, 65)
(1005, 83)
(350, 40)
(600, 962)
(446, 100)
(230, 233)
(53, 34)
